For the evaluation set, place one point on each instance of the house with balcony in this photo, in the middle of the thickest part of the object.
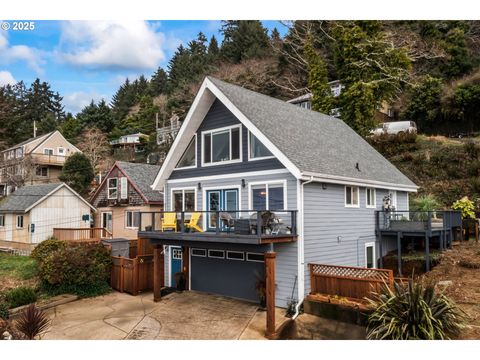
(127, 147)
(38, 160)
(125, 192)
(256, 188)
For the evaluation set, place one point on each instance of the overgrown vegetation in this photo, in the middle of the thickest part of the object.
(19, 296)
(413, 311)
(18, 267)
(82, 269)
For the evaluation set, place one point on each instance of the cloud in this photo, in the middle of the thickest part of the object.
(6, 78)
(131, 45)
(12, 53)
(76, 101)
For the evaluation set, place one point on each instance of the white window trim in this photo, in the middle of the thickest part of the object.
(108, 188)
(16, 224)
(254, 253)
(371, 244)
(172, 190)
(394, 198)
(236, 252)
(250, 158)
(196, 160)
(204, 250)
(216, 257)
(267, 184)
(53, 151)
(345, 197)
(41, 167)
(133, 220)
(64, 151)
(374, 205)
(211, 163)
(219, 188)
(2, 216)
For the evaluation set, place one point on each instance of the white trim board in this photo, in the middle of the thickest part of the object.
(229, 176)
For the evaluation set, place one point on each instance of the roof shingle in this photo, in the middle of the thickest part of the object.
(143, 175)
(26, 196)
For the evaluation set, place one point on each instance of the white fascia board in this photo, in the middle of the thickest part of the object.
(331, 179)
(254, 130)
(195, 115)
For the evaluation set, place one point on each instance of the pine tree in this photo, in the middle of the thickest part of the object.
(158, 83)
(322, 97)
(96, 115)
(213, 49)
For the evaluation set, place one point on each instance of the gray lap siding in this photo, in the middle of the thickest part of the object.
(286, 261)
(335, 234)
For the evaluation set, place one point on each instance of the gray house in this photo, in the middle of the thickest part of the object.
(250, 175)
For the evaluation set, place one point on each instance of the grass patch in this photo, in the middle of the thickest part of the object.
(17, 267)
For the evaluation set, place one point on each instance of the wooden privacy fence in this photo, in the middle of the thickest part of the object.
(352, 282)
(132, 275)
(81, 234)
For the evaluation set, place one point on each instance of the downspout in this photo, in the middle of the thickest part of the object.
(300, 248)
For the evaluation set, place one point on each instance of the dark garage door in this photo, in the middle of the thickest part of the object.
(216, 271)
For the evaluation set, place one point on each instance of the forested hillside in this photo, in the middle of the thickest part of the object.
(428, 70)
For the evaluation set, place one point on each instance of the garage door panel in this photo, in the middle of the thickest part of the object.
(232, 278)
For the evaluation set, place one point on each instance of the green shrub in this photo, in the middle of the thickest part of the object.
(82, 269)
(425, 203)
(20, 296)
(45, 248)
(4, 310)
(471, 149)
(466, 206)
(413, 311)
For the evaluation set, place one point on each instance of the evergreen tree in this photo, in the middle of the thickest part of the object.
(460, 61)
(77, 172)
(70, 127)
(213, 49)
(97, 115)
(158, 83)
(244, 39)
(123, 100)
(322, 97)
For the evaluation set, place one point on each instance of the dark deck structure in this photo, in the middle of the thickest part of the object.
(423, 225)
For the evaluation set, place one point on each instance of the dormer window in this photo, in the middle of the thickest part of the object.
(221, 145)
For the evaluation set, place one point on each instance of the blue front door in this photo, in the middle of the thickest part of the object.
(225, 200)
(176, 262)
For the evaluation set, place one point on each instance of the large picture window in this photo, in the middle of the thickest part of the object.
(189, 157)
(184, 200)
(267, 196)
(221, 145)
(256, 149)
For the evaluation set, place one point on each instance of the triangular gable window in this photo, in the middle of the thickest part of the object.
(256, 149)
(189, 157)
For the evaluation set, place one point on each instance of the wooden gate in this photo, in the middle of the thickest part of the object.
(132, 275)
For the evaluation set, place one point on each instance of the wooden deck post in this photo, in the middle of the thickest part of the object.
(186, 265)
(158, 272)
(399, 253)
(270, 293)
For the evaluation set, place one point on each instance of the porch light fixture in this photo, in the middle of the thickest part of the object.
(199, 186)
(243, 183)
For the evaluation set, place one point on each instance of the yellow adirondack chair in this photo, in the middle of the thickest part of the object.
(193, 222)
(169, 221)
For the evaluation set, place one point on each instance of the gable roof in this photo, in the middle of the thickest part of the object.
(141, 176)
(44, 136)
(308, 143)
(26, 197)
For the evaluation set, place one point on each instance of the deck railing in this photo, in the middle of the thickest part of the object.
(261, 223)
(81, 234)
(406, 220)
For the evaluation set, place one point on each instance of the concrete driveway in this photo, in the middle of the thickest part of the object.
(187, 315)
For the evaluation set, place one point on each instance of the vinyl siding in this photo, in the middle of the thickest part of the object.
(218, 117)
(286, 261)
(335, 234)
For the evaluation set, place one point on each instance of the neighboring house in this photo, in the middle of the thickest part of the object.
(384, 113)
(240, 153)
(35, 161)
(123, 193)
(131, 144)
(29, 215)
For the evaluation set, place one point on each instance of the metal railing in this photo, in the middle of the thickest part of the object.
(406, 220)
(260, 223)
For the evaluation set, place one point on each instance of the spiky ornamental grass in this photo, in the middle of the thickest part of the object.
(413, 311)
(32, 322)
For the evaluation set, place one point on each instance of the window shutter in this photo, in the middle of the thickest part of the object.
(123, 188)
